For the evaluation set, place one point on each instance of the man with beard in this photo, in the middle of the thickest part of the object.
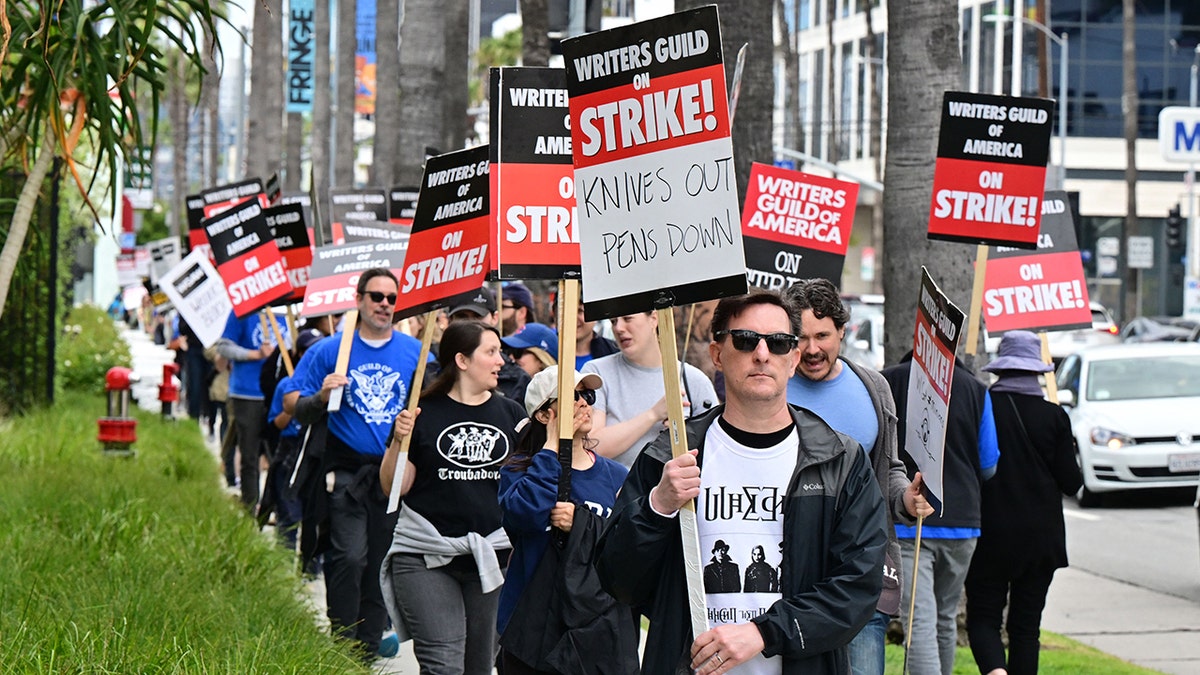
(858, 402)
(376, 387)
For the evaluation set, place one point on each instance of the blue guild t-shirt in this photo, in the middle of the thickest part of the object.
(247, 333)
(377, 391)
(285, 386)
(843, 402)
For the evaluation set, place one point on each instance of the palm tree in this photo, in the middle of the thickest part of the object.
(923, 62)
(343, 122)
(422, 67)
(70, 73)
(322, 108)
(264, 132)
(387, 90)
(535, 22)
(455, 94)
(1129, 109)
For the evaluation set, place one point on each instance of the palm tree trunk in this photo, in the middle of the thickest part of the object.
(535, 43)
(923, 62)
(265, 129)
(343, 122)
(210, 89)
(387, 90)
(177, 111)
(321, 127)
(422, 67)
(831, 89)
(457, 64)
(295, 139)
(791, 70)
(23, 213)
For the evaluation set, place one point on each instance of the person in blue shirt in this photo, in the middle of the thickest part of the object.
(529, 488)
(948, 540)
(244, 344)
(376, 388)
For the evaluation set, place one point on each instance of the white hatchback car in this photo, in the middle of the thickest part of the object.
(1133, 410)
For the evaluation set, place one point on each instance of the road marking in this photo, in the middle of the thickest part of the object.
(1081, 515)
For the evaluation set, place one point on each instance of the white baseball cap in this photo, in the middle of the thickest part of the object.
(543, 388)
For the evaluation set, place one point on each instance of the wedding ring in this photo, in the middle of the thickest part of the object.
(720, 661)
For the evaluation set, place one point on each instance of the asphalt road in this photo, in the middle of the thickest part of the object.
(1133, 587)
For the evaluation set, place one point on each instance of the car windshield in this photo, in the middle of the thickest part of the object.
(1144, 377)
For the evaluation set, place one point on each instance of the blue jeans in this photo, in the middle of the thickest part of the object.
(451, 619)
(866, 649)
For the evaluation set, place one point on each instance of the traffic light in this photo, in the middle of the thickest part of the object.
(1175, 228)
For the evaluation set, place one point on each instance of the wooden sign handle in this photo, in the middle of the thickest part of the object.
(1051, 383)
(414, 398)
(283, 349)
(568, 308)
(981, 257)
(349, 323)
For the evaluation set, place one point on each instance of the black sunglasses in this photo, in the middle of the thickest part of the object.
(588, 396)
(377, 297)
(747, 340)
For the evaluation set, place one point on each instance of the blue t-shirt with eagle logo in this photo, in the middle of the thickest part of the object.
(379, 382)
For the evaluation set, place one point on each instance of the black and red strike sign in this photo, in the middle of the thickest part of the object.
(335, 271)
(288, 227)
(533, 185)
(195, 218)
(402, 205)
(1041, 290)
(448, 251)
(795, 226)
(371, 230)
(991, 169)
(223, 197)
(348, 206)
(247, 258)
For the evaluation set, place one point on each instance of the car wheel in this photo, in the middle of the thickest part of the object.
(1086, 498)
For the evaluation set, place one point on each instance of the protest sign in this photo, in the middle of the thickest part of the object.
(370, 230)
(448, 251)
(333, 281)
(935, 340)
(133, 267)
(991, 169)
(164, 254)
(535, 235)
(1043, 290)
(273, 190)
(795, 226)
(224, 197)
(247, 257)
(654, 178)
(348, 205)
(195, 220)
(402, 205)
(198, 293)
(287, 225)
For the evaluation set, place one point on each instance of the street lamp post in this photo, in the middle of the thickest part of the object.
(1062, 42)
(1193, 247)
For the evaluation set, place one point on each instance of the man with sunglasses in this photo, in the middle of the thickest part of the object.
(760, 471)
(857, 402)
(376, 388)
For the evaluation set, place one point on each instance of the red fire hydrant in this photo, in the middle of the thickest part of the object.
(117, 431)
(168, 393)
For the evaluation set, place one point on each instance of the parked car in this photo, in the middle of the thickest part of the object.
(1157, 329)
(1133, 412)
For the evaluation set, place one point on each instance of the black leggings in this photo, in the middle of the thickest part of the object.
(989, 588)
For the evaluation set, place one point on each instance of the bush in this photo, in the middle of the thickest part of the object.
(90, 344)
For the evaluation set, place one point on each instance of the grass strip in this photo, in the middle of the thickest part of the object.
(1060, 655)
(142, 565)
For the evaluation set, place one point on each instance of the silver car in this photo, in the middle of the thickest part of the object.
(1133, 413)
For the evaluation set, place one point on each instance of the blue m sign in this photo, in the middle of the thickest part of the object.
(1179, 134)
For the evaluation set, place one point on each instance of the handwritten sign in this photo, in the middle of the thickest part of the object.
(533, 188)
(247, 257)
(1041, 290)
(448, 250)
(939, 323)
(196, 290)
(991, 169)
(795, 226)
(654, 178)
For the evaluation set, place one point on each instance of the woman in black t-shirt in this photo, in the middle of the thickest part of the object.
(443, 574)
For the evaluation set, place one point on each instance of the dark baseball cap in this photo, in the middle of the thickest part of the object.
(481, 302)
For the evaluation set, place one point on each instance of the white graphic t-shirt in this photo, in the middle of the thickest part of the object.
(740, 524)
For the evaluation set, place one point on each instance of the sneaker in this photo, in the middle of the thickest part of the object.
(389, 645)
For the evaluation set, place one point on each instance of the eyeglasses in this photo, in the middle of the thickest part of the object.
(747, 340)
(379, 297)
(588, 396)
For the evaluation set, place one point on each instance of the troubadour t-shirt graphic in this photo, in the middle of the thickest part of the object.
(457, 450)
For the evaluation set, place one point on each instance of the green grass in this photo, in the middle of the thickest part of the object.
(1059, 656)
(142, 565)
